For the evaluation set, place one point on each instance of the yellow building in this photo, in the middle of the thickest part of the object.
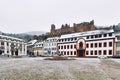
(38, 49)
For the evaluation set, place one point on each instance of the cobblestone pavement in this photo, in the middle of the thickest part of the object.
(39, 69)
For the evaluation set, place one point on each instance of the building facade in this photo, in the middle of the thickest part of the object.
(38, 49)
(117, 43)
(50, 46)
(88, 44)
(10, 46)
(30, 46)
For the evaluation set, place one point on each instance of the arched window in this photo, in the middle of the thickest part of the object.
(80, 45)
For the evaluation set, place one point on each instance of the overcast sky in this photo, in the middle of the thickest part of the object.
(17, 16)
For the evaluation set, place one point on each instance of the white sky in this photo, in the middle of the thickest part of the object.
(17, 16)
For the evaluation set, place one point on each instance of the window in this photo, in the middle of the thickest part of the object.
(68, 53)
(7, 44)
(64, 53)
(68, 39)
(105, 44)
(110, 44)
(91, 52)
(87, 45)
(7, 51)
(64, 46)
(87, 37)
(71, 53)
(87, 53)
(80, 45)
(65, 39)
(99, 35)
(96, 36)
(110, 34)
(74, 52)
(95, 52)
(104, 52)
(110, 52)
(61, 47)
(62, 40)
(58, 47)
(67, 46)
(92, 36)
(91, 45)
(99, 52)
(105, 35)
(100, 44)
(71, 39)
(71, 46)
(74, 46)
(75, 38)
(59, 40)
(95, 44)
(2, 43)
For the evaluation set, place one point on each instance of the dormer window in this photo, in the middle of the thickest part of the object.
(110, 34)
(99, 35)
(87, 37)
(75, 38)
(105, 35)
(65, 39)
(92, 36)
(62, 40)
(96, 36)
(71, 39)
(68, 39)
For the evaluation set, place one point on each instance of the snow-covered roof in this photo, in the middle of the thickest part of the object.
(32, 42)
(39, 42)
(3, 36)
(86, 33)
(52, 38)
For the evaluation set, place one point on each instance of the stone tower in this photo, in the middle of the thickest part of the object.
(53, 31)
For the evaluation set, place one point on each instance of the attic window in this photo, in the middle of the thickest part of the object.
(87, 37)
(96, 36)
(75, 38)
(59, 40)
(100, 35)
(65, 39)
(110, 34)
(71, 39)
(105, 35)
(68, 39)
(92, 36)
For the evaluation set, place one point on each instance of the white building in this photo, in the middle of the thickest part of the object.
(50, 46)
(88, 44)
(11, 46)
(38, 48)
(30, 46)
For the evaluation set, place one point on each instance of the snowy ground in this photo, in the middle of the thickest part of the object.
(39, 69)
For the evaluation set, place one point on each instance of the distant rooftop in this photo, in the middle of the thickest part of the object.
(86, 33)
(3, 36)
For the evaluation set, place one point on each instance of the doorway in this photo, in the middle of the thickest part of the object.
(81, 53)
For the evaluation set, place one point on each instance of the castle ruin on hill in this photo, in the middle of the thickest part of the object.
(65, 29)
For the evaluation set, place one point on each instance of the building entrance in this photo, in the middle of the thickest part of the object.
(81, 45)
(81, 53)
